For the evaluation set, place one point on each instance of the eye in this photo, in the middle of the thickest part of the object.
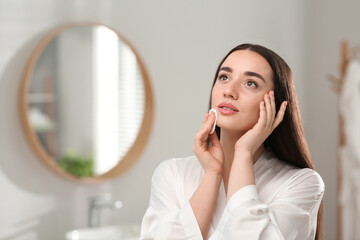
(223, 77)
(251, 84)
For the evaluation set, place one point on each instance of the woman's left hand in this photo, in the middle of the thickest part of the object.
(266, 123)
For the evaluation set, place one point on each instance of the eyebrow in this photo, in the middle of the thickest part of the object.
(254, 74)
(226, 69)
(247, 73)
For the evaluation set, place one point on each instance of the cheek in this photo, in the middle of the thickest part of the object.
(251, 104)
(250, 109)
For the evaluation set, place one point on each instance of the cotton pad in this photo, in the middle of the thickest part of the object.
(213, 128)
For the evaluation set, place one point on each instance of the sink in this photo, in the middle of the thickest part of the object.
(113, 232)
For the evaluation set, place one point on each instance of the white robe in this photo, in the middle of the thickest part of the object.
(282, 205)
(349, 103)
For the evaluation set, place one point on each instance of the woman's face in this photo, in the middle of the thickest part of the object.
(243, 80)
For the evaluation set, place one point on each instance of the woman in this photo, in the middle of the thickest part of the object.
(256, 181)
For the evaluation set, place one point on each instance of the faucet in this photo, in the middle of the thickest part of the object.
(99, 202)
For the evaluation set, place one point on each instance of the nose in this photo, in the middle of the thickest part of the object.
(231, 91)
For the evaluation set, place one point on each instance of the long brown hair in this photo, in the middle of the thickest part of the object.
(287, 141)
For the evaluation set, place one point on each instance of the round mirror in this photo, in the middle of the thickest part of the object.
(86, 102)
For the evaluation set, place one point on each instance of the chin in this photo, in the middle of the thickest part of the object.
(235, 127)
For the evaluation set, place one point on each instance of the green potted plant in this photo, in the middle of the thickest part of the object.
(81, 166)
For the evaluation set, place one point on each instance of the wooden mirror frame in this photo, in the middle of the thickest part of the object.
(134, 151)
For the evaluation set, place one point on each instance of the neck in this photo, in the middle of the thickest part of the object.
(228, 140)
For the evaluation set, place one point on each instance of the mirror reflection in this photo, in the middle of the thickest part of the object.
(86, 99)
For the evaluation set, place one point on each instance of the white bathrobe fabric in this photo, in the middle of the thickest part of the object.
(350, 152)
(282, 205)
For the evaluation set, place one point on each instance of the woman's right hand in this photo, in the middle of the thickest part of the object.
(211, 157)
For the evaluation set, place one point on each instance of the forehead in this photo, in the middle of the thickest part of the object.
(245, 60)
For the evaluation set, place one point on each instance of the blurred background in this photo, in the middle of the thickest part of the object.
(180, 44)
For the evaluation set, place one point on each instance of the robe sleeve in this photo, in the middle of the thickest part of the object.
(165, 218)
(291, 215)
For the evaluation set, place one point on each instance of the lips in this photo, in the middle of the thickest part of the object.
(227, 108)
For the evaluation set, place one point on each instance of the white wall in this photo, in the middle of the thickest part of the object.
(181, 44)
(333, 22)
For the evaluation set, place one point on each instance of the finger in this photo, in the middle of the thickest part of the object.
(214, 139)
(280, 114)
(199, 142)
(198, 137)
(269, 116)
(210, 122)
(203, 134)
(273, 104)
(205, 120)
(262, 118)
